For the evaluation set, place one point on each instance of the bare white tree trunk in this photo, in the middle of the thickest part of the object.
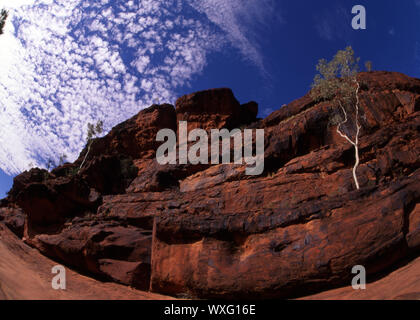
(355, 143)
(84, 159)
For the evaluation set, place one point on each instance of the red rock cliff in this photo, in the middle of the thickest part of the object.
(211, 231)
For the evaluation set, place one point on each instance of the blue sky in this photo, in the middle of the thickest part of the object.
(69, 62)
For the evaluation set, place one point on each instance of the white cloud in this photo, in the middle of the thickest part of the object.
(65, 63)
(239, 19)
(8, 4)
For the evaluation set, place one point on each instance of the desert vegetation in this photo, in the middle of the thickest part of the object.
(93, 131)
(337, 82)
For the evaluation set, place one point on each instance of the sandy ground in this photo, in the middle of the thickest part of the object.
(26, 275)
(402, 284)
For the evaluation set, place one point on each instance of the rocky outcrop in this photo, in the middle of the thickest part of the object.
(49, 201)
(213, 109)
(136, 137)
(107, 249)
(25, 274)
(304, 226)
(212, 231)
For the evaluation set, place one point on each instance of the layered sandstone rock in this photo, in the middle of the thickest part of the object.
(212, 231)
(26, 275)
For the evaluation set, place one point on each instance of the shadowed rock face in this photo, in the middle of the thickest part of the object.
(212, 231)
(214, 109)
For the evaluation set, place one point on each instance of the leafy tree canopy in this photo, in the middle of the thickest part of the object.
(94, 129)
(336, 78)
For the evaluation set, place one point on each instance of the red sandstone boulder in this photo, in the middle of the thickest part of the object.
(50, 202)
(106, 249)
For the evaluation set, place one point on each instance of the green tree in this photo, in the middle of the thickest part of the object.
(93, 131)
(337, 82)
(3, 16)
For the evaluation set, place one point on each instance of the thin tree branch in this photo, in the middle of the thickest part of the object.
(358, 127)
(83, 162)
(356, 145)
(343, 122)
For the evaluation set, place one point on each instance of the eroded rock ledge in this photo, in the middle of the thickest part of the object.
(211, 231)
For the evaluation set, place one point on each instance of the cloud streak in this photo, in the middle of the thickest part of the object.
(235, 17)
